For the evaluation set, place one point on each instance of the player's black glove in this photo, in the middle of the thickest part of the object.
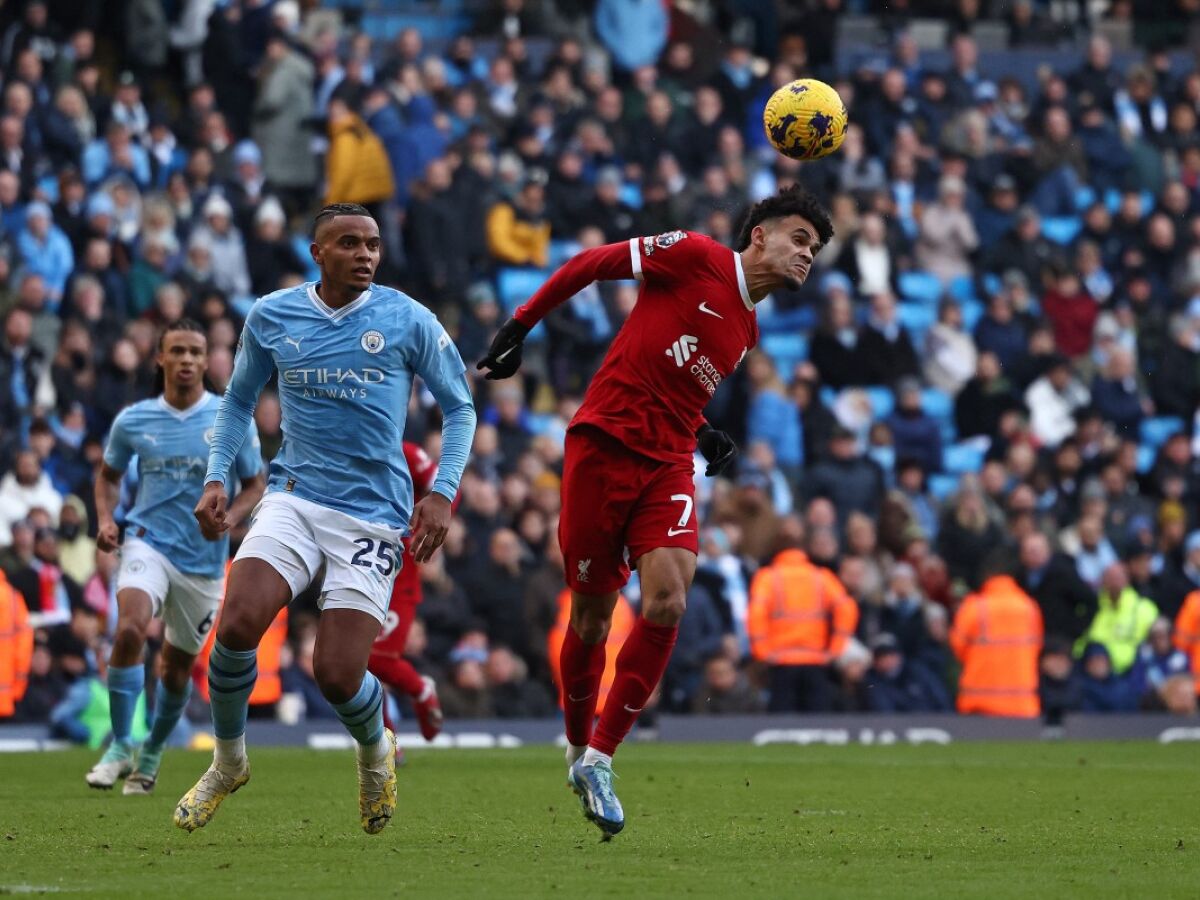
(504, 356)
(717, 447)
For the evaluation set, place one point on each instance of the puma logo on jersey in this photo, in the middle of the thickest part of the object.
(682, 349)
(712, 312)
(295, 343)
(150, 438)
(581, 570)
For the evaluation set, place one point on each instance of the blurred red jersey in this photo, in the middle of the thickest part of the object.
(692, 325)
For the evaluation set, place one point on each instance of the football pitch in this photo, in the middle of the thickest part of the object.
(730, 820)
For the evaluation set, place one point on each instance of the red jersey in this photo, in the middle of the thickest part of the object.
(692, 325)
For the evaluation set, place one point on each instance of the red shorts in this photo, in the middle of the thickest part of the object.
(613, 499)
(406, 595)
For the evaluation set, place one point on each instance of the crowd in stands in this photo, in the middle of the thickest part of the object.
(990, 378)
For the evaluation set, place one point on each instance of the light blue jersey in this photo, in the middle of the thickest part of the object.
(171, 448)
(345, 378)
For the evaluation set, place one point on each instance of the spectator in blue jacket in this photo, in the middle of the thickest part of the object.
(915, 435)
(1103, 691)
(46, 251)
(116, 154)
(1158, 660)
(895, 685)
(633, 31)
(999, 332)
(1116, 396)
(772, 417)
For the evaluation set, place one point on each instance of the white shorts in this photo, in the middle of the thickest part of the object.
(294, 536)
(186, 603)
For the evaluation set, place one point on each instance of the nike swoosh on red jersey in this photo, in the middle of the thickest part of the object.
(671, 532)
(704, 309)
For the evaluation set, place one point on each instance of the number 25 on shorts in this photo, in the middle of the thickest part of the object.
(379, 555)
(686, 500)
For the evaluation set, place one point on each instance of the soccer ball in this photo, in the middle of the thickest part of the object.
(805, 119)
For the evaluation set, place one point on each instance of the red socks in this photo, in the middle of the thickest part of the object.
(581, 668)
(396, 672)
(640, 668)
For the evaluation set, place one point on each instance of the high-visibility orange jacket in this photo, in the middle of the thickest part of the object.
(269, 687)
(1187, 632)
(622, 623)
(997, 636)
(16, 647)
(799, 615)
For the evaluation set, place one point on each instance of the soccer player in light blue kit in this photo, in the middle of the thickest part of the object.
(168, 568)
(339, 493)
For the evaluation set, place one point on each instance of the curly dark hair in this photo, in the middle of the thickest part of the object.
(793, 201)
(333, 210)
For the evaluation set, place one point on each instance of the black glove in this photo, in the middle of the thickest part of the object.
(504, 356)
(717, 447)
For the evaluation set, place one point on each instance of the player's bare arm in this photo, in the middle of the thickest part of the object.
(251, 491)
(107, 489)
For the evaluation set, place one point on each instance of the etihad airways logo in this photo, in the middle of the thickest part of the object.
(682, 349)
(337, 384)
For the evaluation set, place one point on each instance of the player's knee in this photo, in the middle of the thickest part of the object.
(592, 628)
(666, 603)
(130, 634)
(240, 628)
(338, 682)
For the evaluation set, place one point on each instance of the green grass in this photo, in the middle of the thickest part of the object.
(982, 820)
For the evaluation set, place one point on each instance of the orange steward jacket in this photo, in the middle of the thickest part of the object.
(800, 615)
(997, 636)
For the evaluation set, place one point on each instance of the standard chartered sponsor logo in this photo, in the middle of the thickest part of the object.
(706, 373)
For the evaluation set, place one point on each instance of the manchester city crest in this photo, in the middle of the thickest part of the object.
(372, 341)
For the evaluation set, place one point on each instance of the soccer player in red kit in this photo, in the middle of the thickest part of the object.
(387, 662)
(627, 489)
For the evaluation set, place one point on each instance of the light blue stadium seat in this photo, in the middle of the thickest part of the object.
(1145, 458)
(514, 286)
(920, 287)
(917, 319)
(1061, 229)
(961, 458)
(883, 401)
(632, 194)
(942, 486)
(962, 288)
(300, 245)
(785, 349)
(1154, 432)
(972, 311)
(937, 404)
(1085, 196)
(561, 251)
(1112, 199)
(828, 395)
(991, 284)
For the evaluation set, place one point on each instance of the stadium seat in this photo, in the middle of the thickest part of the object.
(300, 247)
(942, 486)
(937, 404)
(1145, 458)
(972, 311)
(883, 401)
(1084, 197)
(514, 286)
(962, 288)
(1154, 432)
(632, 195)
(959, 459)
(785, 350)
(991, 284)
(917, 319)
(1061, 229)
(920, 287)
(561, 251)
(828, 395)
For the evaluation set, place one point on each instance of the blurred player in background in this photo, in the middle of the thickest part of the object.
(627, 490)
(387, 661)
(339, 493)
(168, 568)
